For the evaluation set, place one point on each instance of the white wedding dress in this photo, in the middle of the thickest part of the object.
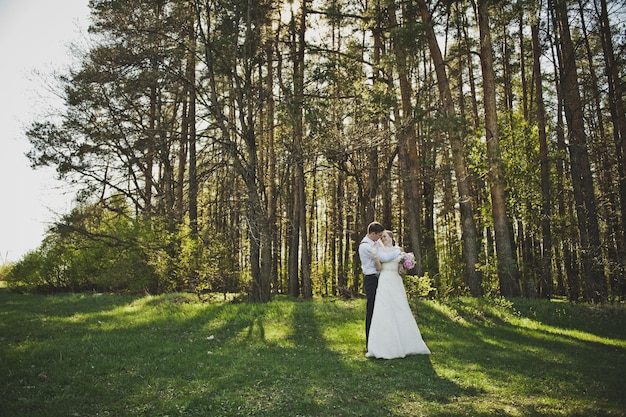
(393, 332)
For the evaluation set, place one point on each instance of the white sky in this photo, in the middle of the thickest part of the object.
(34, 36)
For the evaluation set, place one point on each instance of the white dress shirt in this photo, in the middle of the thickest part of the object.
(367, 256)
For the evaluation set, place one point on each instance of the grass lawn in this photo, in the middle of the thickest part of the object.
(87, 355)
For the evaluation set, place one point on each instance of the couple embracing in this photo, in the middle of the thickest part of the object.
(390, 328)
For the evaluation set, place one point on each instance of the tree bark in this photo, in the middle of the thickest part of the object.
(618, 118)
(473, 276)
(193, 157)
(508, 273)
(408, 153)
(305, 253)
(546, 286)
(595, 288)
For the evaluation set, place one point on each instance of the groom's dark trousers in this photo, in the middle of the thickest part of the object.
(370, 284)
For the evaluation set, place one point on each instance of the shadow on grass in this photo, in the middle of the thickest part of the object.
(58, 305)
(602, 320)
(302, 376)
(157, 356)
(488, 347)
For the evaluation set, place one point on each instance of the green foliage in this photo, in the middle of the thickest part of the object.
(207, 268)
(80, 261)
(103, 250)
(172, 355)
(94, 250)
(26, 274)
(419, 287)
(450, 281)
(126, 129)
(5, 269)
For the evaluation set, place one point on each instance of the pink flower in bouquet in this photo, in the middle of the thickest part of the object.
(408, 260)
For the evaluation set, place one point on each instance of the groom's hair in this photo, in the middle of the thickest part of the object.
(375, 227)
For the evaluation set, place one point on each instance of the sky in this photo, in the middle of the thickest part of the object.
(34, 37)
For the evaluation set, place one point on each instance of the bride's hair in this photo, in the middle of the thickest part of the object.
(390, 233)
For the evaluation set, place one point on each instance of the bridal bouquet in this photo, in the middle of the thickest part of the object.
(408, 260)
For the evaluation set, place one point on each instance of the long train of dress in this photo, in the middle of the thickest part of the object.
(393, 331)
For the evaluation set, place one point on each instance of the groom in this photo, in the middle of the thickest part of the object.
(367, 254)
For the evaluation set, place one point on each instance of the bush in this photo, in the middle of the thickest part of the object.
(419, 287)
(95, 249)
(5, 269)
(26, 275)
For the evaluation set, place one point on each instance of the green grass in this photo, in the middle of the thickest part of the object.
(85, 355)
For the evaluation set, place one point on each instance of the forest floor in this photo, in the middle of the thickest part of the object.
(171, 355)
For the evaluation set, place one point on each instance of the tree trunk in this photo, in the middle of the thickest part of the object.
(408, 154)
(305, 262)
(545, 277)
(508, 272)
(343, 237)
(470, 238)
(605, 160)
(149, 153)
(271, 167)
(182, 156)
(191, 122)
(618, 117)
(293, 237)
(470, 71)
(586, 210)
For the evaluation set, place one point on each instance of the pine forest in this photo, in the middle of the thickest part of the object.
(243, 147)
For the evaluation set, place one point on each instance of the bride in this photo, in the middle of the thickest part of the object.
(393, 332)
